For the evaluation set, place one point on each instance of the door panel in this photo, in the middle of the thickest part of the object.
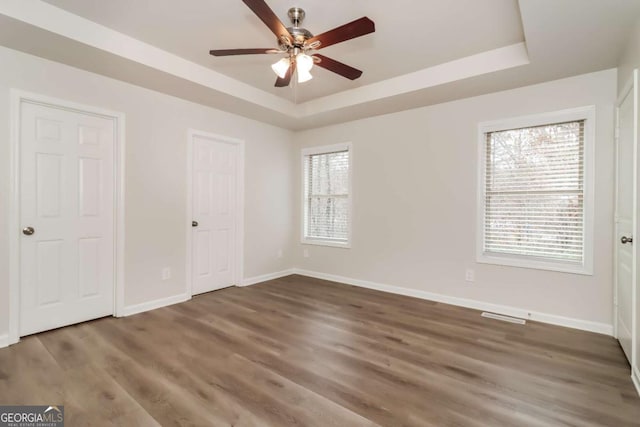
(625, 201)
(215, 210)
(67, 196)
(222, 250)
(49, 175)
(203, 254)
(89, 186)
(89, 266)
(49, 271)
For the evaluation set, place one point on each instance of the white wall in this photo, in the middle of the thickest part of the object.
(414, 190)
(156, 130)
(414, 202)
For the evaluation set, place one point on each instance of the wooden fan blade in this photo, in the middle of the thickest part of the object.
(338, 67)
(264, 12)
(284, 82)
(349, 31)
(229, 52)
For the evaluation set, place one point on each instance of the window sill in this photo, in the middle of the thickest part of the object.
(523, 262)
(330, 243)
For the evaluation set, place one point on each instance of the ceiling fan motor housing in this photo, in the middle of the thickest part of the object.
(296, 15)
(300, 35)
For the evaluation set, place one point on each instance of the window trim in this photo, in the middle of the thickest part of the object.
(323, 150)
(587, 114)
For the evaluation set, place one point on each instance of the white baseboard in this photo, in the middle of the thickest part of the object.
(585, 325)
(635, 377)
(265, 277)
(152, 305)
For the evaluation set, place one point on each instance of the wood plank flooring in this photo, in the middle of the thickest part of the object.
(306, 352)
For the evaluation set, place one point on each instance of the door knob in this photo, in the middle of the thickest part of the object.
(194, 223)
(624, 240)
(28, 231)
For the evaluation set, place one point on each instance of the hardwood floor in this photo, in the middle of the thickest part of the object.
(306, 352)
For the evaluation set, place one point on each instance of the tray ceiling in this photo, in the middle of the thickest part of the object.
(422, 53)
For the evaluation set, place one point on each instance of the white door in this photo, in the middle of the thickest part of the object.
(215, 166)
(66, 211)
(625, 218)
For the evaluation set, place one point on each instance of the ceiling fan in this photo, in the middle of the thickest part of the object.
(298, 43)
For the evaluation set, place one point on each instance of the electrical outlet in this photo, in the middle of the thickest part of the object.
(166, 273)
(279, 253)
(470, 275)
(305, 253)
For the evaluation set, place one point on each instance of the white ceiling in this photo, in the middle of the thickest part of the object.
(423, 52)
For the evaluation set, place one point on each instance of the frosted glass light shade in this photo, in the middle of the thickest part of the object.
(304, 62)
(281, 67)
(303, 75)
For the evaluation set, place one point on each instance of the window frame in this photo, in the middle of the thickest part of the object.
(325, 149)
(588, 114)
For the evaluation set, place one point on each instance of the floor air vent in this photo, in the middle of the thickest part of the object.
(504, 318)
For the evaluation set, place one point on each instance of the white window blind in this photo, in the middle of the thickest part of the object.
(534, 192)
(326, 186)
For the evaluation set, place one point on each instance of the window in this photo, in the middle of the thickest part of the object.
(535, 192)
(327, 195)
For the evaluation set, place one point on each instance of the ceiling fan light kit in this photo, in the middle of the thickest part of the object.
(298, 43)
(303, 64)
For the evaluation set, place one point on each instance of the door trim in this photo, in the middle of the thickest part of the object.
(631, 87)
(239, 255)
(17, 97)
